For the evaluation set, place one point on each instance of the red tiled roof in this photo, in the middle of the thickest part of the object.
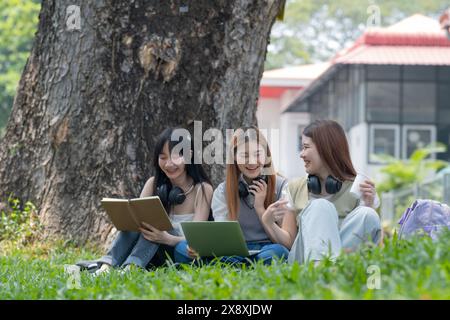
(415, 40)
(406, 55)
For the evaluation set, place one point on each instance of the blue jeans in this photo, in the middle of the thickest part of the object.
(269, 252)
(132, 248)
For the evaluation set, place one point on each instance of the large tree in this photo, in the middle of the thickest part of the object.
(97, 90)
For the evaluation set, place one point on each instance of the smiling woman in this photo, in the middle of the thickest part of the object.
(185, 191)
(330, 217)
(252, 196)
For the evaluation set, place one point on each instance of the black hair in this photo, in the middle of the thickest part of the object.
(195, 171)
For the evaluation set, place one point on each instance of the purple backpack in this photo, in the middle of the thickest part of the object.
(424, 217)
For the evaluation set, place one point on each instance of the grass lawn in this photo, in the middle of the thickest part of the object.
(417, 269)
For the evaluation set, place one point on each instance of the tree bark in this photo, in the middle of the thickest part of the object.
(91, 102)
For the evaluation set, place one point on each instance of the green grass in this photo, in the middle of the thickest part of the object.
(418, 269)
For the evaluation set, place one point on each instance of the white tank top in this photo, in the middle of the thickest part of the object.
(176, 219)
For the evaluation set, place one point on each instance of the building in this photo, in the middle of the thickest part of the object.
(279, 88)
(390, 91)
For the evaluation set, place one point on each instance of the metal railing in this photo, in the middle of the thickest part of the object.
(395, 202)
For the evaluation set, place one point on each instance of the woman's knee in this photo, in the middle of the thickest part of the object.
(369, 216)
(321, 209)
(181, 252)
(181, 247)
(274, 251)
(322, 203)
(370, 221)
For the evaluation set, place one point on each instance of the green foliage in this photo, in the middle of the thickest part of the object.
(316, 30)
(409, 269)
(400, 174)
(19, 223)
(18, 23)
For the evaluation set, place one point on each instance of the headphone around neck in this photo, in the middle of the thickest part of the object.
(332, 185)
(243, 187)
(171, 195)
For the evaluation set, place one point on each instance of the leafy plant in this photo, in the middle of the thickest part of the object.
(398, 174)
(19, 223)
(18, 23)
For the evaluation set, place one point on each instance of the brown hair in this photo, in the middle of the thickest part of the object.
(240, 136)
(331, 143)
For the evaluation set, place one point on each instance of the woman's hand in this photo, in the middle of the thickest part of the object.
(275, 212)
(368, 192)
(192, 253)
(259, 190)
(153, 234)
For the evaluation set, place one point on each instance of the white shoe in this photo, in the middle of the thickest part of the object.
(104, 269)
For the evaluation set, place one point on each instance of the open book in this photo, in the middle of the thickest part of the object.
(128, 214)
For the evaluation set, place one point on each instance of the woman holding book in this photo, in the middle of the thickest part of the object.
(330, 215)
(185, 191)
(251, 195)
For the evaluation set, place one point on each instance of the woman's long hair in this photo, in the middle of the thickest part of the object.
(242, 136)
(195, 171)
(331, 143)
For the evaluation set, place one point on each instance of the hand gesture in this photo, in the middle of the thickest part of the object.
(275, 212)
(259, 190)
(368, 192)
(153, 234)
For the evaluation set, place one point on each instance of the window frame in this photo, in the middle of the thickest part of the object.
(371, 144)
(405, 129)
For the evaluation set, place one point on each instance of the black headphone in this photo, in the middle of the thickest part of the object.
(243, 187)
(171, 195)
(332, 185)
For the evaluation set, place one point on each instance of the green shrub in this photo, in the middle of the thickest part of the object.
(398, 173)
(19, 223)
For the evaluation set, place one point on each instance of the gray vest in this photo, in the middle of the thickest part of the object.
(248, 218)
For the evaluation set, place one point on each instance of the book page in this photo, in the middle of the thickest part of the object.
(150, 210)
(119, 213)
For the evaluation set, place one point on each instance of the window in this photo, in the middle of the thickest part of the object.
(323, 112)
(383, 72)
(416, 137)
(343, 74)
(444, 104)
(384, 140)
(443, 136)
(314, 104)
(419, 73)
(383, 101)
(444, 73)
(419, 102)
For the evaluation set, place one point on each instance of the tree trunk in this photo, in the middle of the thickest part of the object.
(92, 99)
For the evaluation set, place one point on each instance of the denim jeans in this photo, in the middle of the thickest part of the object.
(132, 248)
(269, 252)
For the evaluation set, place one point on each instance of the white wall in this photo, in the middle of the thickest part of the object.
(291, 166)
(280, 130)
(268, 117)
(358, 142)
